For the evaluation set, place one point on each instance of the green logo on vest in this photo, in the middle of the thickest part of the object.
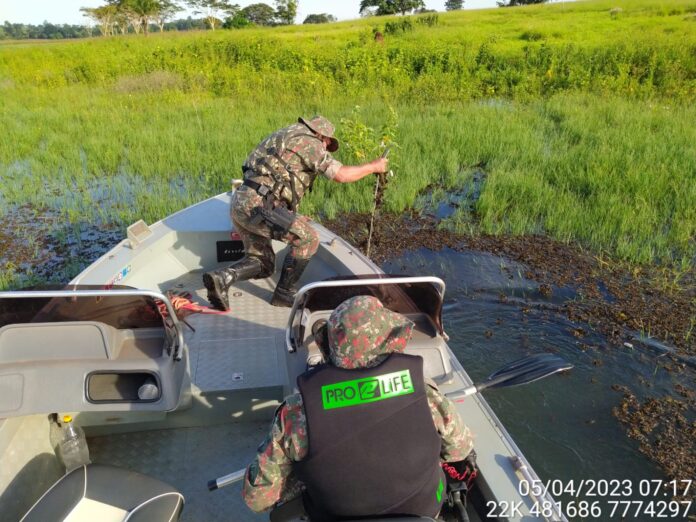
(369, 389)
(440, 489)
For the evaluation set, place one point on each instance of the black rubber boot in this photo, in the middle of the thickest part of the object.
(218, 282)
(290, 274)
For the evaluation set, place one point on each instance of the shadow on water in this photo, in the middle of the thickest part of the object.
(564, 425)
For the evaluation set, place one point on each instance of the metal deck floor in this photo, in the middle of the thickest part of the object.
(187, 458)
(241, 349)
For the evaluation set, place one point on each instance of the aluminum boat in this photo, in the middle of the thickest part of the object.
(213, 381)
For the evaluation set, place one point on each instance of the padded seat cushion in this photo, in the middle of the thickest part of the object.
(105, 493)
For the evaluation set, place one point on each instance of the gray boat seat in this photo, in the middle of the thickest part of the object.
(107, 494)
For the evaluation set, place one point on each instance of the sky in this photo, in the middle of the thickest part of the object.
(68, 11)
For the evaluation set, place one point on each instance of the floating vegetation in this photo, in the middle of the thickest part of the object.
(665, 428)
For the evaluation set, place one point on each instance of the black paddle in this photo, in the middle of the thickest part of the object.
(516, 373)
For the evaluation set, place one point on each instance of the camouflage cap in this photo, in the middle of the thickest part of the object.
(361, 329)
(324, 127)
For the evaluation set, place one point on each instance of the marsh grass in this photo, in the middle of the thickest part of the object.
(583, 123)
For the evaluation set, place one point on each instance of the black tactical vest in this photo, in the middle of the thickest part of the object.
(373, 446)
(266, 160)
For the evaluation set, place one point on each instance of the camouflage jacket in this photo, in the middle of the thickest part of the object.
(270, 478)
(292, 152)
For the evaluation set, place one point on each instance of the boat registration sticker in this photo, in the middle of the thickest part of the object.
(118, 277)
(366, 390)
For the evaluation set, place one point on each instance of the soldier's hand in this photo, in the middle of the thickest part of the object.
(380, 165)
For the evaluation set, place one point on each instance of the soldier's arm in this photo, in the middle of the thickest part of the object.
(457, 439)
(269, 478)
(350, 173)
(317, 158)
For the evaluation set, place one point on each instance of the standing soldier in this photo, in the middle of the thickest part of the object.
(365, 435)
(277, 174)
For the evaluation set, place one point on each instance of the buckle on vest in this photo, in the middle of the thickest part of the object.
(263, 190)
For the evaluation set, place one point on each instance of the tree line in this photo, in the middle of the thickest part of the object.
(45, 31)
(139, 16)
(404, 7)
(142, 16)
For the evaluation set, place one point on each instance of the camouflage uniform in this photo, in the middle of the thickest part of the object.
(295, 148)
(302, 238)
(361, 334)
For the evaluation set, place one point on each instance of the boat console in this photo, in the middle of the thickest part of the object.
(86, 349)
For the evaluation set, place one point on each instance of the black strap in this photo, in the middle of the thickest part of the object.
(293, 178)
(261, 190)
(264, 191)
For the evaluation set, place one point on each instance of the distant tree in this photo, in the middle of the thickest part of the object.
(104, 16)
(319, 19)
(286, 11)
(454, 5)
(166, 12)
(139, 12)
(322, 18)
(388, 7)
(513, 3)
(238, 21)
(122, 21)
(186, 24)
(212, 10)
(259, 14)
(44, 31)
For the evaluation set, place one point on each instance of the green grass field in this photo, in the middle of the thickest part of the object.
(583, 120)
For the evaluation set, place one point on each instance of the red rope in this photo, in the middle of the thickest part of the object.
(182, 303)
(467, 475)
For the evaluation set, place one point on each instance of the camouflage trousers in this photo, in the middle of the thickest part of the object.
(302, 238)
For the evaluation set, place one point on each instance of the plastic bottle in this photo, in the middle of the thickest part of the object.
(73, 450)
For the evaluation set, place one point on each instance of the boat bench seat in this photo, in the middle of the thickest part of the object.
(107, 494)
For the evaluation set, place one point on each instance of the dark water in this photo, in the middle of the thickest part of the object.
(564, 424)
(443, 204)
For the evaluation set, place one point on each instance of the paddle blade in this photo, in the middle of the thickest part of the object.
(525, 370)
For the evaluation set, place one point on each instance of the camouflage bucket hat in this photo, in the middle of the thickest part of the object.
(322, 126)
(361, 329)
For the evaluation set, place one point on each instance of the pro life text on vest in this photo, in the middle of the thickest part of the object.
(366, 390)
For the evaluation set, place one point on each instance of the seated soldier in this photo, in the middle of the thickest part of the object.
(365, 435)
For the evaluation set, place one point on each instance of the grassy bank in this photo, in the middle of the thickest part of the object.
(583, 121)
